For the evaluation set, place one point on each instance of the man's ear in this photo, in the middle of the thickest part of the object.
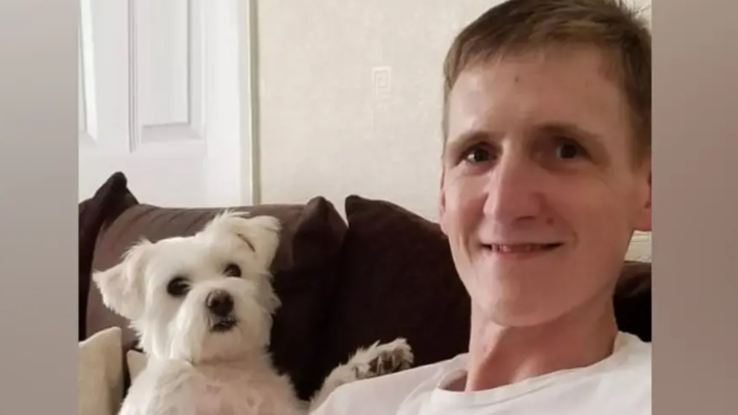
(120, 285)
(259, 233)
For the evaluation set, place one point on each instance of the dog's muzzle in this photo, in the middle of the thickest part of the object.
(220, 304)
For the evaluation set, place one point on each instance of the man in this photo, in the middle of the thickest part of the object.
(546, 175)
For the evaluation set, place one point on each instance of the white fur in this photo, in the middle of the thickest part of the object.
(191, 369)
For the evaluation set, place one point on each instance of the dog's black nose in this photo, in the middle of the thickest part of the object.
(220, 303)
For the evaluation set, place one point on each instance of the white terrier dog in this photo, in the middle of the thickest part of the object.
(202, 307)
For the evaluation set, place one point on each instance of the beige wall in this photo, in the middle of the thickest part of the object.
(324, 129)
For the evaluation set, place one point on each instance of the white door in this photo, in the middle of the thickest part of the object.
(160, 100)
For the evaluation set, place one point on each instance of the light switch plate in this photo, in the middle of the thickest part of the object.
(382, 82)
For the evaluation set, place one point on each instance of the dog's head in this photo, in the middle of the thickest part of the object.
(200, 298)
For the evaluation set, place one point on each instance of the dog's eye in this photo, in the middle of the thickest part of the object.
(232, 270)
(178, 287)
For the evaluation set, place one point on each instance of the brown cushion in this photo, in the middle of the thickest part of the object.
(633, 300)
(398, 279)
(110, 200)
(304, 270)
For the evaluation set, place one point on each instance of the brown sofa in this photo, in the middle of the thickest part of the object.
(384, 272)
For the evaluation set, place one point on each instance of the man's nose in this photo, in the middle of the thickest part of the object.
(513, 191)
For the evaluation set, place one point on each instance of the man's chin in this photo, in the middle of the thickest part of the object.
(513, 306)
(510, 317)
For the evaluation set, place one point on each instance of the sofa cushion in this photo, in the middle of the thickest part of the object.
(633, 300)
(136, 362)
(304, 270)
(100, 373)
(398, 279)
(110, 200)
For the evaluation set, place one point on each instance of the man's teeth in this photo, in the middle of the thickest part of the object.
(517, 248)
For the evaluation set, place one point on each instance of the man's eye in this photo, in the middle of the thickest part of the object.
(478, 155)
(568, 149)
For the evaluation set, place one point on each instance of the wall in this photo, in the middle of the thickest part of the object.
(329, 126)
(326, 128)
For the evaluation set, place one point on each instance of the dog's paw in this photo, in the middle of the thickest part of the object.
(377, 360)
(382, 359)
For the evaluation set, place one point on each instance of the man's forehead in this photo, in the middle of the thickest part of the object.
(536, 89)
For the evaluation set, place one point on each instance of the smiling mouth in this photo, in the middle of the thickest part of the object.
(223, 325)
(521, 249)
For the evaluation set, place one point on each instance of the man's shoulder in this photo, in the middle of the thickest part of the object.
(629, 377)
(628, 384)
(384, 394)
(638, 353)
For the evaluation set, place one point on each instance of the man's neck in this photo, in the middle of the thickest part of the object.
(503, 355)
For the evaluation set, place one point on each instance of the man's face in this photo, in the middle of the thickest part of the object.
(540, 193)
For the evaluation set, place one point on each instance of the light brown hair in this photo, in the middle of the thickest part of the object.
(518, 26)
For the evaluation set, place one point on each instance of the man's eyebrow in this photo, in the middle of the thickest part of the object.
(570, 130)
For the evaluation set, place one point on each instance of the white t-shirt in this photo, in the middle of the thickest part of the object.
(617, 385)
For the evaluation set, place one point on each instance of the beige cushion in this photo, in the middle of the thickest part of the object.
(136, 362)
(100, 373)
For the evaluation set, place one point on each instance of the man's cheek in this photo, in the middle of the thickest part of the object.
(454, 199)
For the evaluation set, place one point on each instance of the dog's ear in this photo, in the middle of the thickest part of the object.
(259, 233)
(120, 285)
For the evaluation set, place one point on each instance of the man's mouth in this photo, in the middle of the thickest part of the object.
(521, 248)
(223, 325)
